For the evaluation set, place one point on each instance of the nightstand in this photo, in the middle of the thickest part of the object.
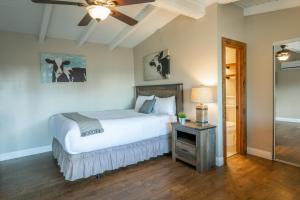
(194, 144)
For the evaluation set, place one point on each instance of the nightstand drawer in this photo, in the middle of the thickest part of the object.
(185, 156)
(189, 148)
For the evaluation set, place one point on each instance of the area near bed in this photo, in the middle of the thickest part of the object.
(126, 137)
(120, 127)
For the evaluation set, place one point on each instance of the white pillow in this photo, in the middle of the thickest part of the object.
(140, 100)
(165, 105)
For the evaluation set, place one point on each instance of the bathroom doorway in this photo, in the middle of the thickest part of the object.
(234, 97)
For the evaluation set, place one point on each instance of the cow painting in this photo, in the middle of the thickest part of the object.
(157, 66)
(63, 68)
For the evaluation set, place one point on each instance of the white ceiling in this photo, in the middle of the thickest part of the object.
(253, 7)
(23, 16)
(27, 18)
(250, 3)
(61, 21)
(294, 46)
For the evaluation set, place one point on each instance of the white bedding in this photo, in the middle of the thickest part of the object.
(120, 127)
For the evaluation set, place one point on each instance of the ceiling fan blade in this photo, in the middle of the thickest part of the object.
(59, 2)
(124, 18)
(130, 2)
(85, 20)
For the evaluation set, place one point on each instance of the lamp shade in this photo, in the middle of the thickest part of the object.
(202, 94)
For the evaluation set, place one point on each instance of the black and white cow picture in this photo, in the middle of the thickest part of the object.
(61, 73)
(157, 66)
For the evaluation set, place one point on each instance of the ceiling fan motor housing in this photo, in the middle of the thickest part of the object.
(99, 9)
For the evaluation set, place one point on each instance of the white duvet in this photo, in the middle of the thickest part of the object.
(120, 127)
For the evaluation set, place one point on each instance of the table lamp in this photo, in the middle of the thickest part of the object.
(202, 95)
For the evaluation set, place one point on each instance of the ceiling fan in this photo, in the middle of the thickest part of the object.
(100, 9)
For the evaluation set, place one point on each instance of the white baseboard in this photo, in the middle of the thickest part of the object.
(43, 149)
(219, 161)
(289, 163)
(259, 153)
(25, 152)
(284, 119)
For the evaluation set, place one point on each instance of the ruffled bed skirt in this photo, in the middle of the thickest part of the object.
(83, 165)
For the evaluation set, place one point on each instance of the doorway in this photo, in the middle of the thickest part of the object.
(234, 97)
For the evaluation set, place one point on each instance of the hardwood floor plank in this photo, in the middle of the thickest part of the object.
(245, 177)
(287, 140)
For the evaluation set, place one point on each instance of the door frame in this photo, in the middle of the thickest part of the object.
(241, 125)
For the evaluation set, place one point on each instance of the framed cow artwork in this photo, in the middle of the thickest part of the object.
(62, 68)
(157, 66)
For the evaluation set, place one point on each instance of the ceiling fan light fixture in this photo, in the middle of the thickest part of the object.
(283, 54)
(98, 12)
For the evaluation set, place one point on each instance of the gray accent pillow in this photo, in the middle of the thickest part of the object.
(147, 106)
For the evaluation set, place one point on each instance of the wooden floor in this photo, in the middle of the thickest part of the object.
(287, 140)
(38, 177)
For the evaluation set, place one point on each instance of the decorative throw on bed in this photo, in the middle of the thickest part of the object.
(88, 126)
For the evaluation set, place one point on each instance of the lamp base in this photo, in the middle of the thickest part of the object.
(201, 114)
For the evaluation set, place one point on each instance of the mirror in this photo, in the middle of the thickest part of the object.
(287, 101)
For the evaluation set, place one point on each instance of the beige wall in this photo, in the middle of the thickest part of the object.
(231, 24)
(193, 49)
(189, 58)
(195, 55)
(231, 86)
(230, 56)
(261, 32)
(189, 41)
(26, 103)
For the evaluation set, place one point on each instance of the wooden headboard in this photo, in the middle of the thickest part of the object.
(163, 91)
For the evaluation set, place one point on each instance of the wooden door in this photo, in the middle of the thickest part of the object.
(241, 120)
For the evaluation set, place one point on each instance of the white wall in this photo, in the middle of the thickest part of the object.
(26, 103)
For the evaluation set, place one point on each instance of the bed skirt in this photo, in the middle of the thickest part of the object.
(83, 165)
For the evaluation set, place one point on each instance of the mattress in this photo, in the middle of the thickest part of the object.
(120, 127)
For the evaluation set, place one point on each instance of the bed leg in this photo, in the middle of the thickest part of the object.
(98, 176)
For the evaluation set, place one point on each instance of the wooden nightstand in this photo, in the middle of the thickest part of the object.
(195, 145)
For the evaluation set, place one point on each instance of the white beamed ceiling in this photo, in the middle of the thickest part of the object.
(254, 7)
(20, 16)
(23, 16)
(251, 3)
(63, 22)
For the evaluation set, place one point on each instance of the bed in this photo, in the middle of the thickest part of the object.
(129, 137)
